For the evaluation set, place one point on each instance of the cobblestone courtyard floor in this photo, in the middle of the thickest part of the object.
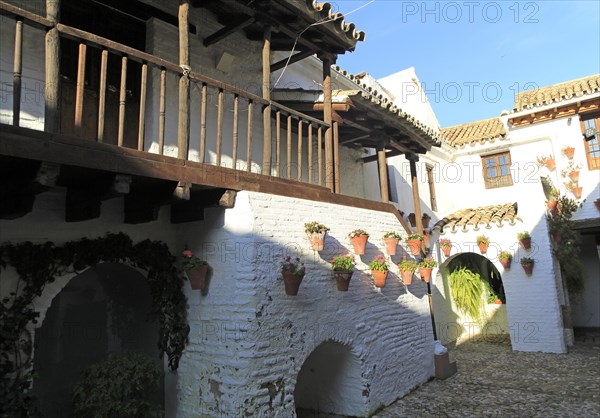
(493, 381)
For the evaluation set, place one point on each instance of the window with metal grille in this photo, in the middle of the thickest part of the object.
(590, 127)
(496, 170)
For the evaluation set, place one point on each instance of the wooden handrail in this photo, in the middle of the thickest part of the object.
(298, 114)
(30, 18)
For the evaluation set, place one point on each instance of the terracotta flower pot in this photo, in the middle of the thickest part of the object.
(407, 276)
(390, 245)
(425, 274)
(574, 175)
(425, 221)
(528, 268)
(482, 247)
(550, 164)
(569, 152)
(359, 243)
(597, 203)
(317, 240)
(379, 277)
(577, 191)
(292, 283)
(414, 245)
(525, 243)
(197, 277)
(551, 205)
(498, 302)
(506, 262)
(446, 250)
(412, 219)
(342, 279)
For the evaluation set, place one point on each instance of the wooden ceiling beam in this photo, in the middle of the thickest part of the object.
(293, 59)
(388, 154)
(228, 30)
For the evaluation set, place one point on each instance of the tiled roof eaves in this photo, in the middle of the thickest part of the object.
(556, 93)
(486, 216)
(368, 93)
(487, 130)
(326, 12)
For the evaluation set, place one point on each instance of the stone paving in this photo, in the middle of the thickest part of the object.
(494, 381)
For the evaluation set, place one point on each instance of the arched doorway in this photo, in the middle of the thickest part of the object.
(105, 310)
(330, 382)
(473, 277)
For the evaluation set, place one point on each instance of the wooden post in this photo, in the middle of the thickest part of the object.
(80, 89)
(17, 70)
(102, 95)
(161, 111)
(183, 123)
(142, 118)
(51, 89)
(412, 158)
(383, 173)
(122, 102)
(234, 135)
(266, 90)
(327, 118)
(336, 156)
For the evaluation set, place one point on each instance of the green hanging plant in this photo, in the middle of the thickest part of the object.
(467, 292)
(39, 264)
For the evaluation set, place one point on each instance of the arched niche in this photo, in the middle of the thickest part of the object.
(330, 382)
(104, 310)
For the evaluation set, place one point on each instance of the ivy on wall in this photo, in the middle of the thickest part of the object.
(39, 264)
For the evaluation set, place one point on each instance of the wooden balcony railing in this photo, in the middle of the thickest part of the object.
(295, 135)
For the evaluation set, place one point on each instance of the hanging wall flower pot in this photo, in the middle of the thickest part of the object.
(390, 245)
(597, 203)
(425, 220)
(379, 277)
(551, 205)
(425, 274)
(525, 243)
(446, 250)
(197, 277)
(577, 192)
(528, 267)
(292, 283)
(342, 279)
(483, 246)
(407, 276)
(317, 240)
(569, 152)
(414, 245)
(506, 262)
(359, 243)
(412, 219)
(574, 175)
(550, 164)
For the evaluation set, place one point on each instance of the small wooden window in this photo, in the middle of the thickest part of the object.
(496, 170)
(430, 181)
(590, 127)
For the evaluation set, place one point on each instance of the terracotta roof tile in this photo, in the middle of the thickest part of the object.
(325, 10)
(486, 216)
(557, 92)
(472, 132)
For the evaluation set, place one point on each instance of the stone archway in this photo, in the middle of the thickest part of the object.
(452, 324)
(105, 310)
(330, 382)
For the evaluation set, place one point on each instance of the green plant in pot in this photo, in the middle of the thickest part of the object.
(524, 239)
(446, 246)
(342, 267)
(124, 386)
(195, 269)
(407, 269)
(391, 239)
(482, 243)
(414, 243)
(527, 264)
(505, 258)
(379, 270)
(425, 267)
(466, 288)
(316, 233)
(293, 272)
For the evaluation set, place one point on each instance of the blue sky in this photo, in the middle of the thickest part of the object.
(473, 56)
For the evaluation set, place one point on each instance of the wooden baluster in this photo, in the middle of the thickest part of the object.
(310, 174)
(161, 111)
(142, 120)
(122, 99)
(299, 149)
(320, 154)
(249, 143)
(102, 95)
(51, 88)
(17, 72)
(219, 126)
(80, 89)
(289, 147)
(236, 100)
(203, 122)
(277, 143)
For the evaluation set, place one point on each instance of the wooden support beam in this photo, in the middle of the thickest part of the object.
(183, 123)
(388, 154)
(336, 156)
(357, 138)
(86, 189)
(17, 187)
(52, 86)
(383, 174)
(291, 60)
(413, 158)
(80, 89)
(146, 197)
(327, 118)
(266, 94)
(227, 30)
(193, 210)
(17, 71)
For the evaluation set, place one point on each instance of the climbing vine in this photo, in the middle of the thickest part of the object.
(39, 264)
